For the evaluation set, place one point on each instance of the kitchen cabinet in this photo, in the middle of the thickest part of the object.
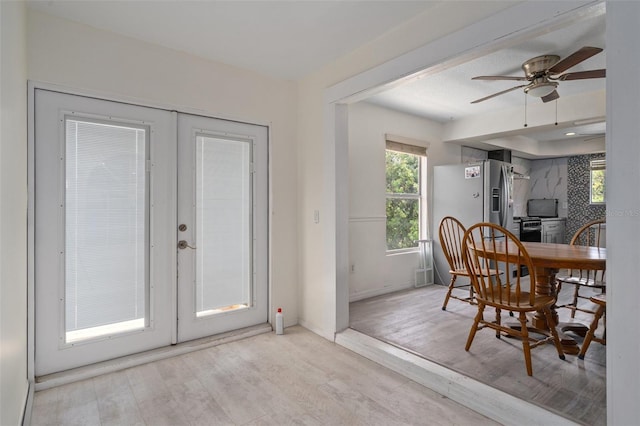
(553, 230)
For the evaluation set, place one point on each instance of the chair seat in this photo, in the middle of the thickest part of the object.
(512, 302)
(460, 272)
(485, 272)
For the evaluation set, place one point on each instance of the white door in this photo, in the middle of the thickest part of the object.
(105, 197)
(107, 282)
(222, 232)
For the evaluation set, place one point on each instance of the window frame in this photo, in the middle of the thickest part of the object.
(419, 152)
(596, 165)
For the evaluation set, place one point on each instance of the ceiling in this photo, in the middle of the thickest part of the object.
(289, 40)
(446, 96)
(282, 39)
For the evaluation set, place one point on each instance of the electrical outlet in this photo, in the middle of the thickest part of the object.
(316, 216)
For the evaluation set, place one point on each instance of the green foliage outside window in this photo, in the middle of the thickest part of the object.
(403, 200)
(598, 174)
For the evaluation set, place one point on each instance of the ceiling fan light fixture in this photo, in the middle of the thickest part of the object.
(540, 89)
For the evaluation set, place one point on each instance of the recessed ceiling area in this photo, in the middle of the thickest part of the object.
(515, 120)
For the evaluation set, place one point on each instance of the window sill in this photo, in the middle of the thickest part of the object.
(402, 251)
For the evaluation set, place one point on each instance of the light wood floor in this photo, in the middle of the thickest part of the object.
(297, 378)
(413, 320)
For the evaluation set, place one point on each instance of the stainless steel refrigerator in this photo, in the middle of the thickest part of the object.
(472, 193)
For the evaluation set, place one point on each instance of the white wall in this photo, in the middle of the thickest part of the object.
(623, 206)
(82, 57)
(13, 213)
(317, 276)
(374, 271)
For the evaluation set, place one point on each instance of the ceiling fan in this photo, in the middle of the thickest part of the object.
(544, 72)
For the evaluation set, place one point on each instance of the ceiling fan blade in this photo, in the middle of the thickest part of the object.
(497, 94)
(550, 97)
(499, 77)
(574, 59)
(581, 75)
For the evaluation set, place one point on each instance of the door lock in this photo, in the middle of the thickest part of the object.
(182, 227)
(182, 244)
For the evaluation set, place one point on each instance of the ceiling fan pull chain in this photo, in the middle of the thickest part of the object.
(556, 111)
(525, 110)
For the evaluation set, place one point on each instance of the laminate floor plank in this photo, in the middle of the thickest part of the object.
(116, 403)
(230, 391)
(413, 319)
(296, 379)
(45, 408)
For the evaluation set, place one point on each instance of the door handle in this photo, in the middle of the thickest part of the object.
(182, 244)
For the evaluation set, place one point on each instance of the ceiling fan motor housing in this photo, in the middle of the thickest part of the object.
(539, 66)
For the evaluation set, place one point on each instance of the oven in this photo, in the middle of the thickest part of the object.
(531, 229)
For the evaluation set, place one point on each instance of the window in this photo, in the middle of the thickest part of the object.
(105, 228)
(598, 175)
(405, 168)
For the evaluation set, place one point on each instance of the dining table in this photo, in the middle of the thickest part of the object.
(548, 259)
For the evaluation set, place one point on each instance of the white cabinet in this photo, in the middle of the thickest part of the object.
(553, 230)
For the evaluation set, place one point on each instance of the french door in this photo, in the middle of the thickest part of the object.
(150, 228)
(222, 231)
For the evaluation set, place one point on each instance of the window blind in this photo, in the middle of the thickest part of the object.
(105, 224)
(598, 164)
(406, 145)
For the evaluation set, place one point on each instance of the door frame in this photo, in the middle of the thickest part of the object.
(32, 86)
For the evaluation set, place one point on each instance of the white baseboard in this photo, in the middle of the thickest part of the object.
(317, 330)
(82, 373)
(28, 405)
(379, 291)
(490, 402)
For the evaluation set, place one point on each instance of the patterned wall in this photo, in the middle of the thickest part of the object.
(580, 210)
(548, 179)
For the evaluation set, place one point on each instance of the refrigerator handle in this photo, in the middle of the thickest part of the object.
(505, 196)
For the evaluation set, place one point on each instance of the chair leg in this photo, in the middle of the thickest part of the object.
(575, 301)
(554, 332)
(592, 330)
(446, 299)
(498, 321)
(526, 346)
(474, 327)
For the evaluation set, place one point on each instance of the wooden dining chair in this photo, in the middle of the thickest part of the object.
(451, 231)
(485, 246)
(590, 234)
(600, 301)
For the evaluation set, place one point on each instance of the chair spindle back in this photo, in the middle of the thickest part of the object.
(488, 246)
